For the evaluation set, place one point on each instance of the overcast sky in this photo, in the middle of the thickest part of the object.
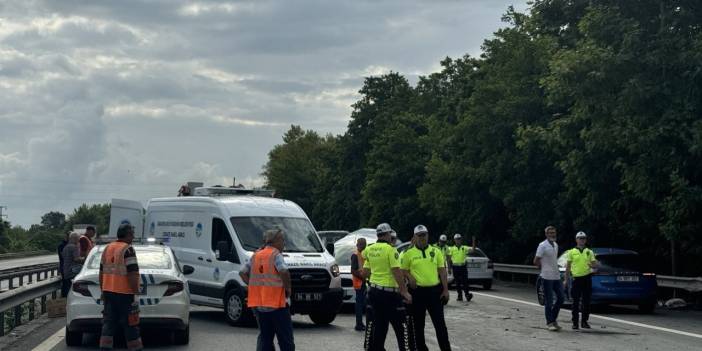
(129, 99)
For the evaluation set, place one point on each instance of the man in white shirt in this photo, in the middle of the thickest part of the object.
(547, 259)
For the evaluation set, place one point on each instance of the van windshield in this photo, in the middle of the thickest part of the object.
(300, 236)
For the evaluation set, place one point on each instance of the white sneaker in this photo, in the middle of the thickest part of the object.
(552, 327)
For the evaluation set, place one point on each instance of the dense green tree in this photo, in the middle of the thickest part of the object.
(97, 214)
(53, 220)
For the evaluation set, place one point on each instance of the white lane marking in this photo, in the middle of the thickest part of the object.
(51, 341)
(648, 326)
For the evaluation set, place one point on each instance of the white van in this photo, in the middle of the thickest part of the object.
(216, 232)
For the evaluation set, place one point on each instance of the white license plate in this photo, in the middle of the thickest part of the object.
(308, 296)
(627, 278)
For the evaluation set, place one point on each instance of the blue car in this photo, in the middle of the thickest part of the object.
(618, 280)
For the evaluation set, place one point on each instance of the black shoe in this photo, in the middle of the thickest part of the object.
(585, 325)
(469, 297)
(360, 328)
(575, 326)
(460, 298)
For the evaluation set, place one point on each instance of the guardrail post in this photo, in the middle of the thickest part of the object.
(31, 309)
(18, 316)
(2, 323)
(10, 282)
(43, 304)
(31, 276)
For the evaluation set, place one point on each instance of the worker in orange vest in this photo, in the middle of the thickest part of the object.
(269, 285)
(119, 282)
(359, 283)
(86, 241)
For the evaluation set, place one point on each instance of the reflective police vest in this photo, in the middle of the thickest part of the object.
(358, 282)
(114, 269)
(265, 284)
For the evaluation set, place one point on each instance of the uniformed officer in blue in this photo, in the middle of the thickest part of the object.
(386, 292)
(425, 269)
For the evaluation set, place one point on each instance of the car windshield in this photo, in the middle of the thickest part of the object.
(342, 254)
(476, 253)
(150, 259)
(619, 263)
(300, 236)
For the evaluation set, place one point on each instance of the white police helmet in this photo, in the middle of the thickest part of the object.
(383, 228)
(443, 237)
(457, 236)
(420, 229)
(580, 235)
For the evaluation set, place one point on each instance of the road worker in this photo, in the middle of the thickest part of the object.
(87, 241)
(268, 280)
(458, 257)
(359, 283)
(424, 268)
(119, 282)
(386, 292)
(580, 262)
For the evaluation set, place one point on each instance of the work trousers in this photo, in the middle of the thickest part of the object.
(360, 304)
(581, 290)
(276, 323)
(429, 299)
(384, 308)
(552, 288)
(460, 277)
(115, 316)
(65, 286)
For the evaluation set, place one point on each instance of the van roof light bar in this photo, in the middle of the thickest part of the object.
(222, 191)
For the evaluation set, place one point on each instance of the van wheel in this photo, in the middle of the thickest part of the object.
(235, 309)
(73, 338)
(487, 285)
(322, 318)
(182, 337)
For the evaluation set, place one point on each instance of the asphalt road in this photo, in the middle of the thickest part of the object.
(27, 261)
(505, 318)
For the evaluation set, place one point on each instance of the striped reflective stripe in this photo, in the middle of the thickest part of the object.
(114, 268)
(130, 260)
(260, 283)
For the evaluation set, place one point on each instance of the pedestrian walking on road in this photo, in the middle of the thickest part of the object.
(359, 283)
(458, 255)
(547, 260)
(425, 269)
(269, 286)
(581, 261)
(87, 241)
(386, 292)
(119, 282)
(72, 263)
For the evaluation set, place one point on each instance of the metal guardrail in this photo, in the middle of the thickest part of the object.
(19, 276)
(690, 284)
(13, 303)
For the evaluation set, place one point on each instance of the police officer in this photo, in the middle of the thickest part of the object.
(386, 290)
(581, 261)
(443, 246)
(458, 255)
(425, 270)
(119, 282)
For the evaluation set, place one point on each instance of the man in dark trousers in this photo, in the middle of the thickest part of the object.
(581, 261)
(386, 292)
(458, 257)
(425, 269)
(119, 281)
(359, 283)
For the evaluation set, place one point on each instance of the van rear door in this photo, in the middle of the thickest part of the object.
(126, 211)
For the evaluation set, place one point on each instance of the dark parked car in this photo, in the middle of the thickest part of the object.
(618, 280)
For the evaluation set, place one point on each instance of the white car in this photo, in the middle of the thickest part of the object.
(164, 299)
(480, 269)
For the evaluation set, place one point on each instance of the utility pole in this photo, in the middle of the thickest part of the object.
(2, 215)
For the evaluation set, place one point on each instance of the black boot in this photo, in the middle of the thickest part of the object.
(575, 325)
(585, 325)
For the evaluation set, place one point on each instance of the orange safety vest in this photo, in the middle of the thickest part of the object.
(114, 269)
(84, 240)
(358, 282)
(265, 284)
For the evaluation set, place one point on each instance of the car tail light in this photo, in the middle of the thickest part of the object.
(490, 264)
(173, 287)
(81, 287)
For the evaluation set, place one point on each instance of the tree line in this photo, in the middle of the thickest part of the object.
(53, 227)
(580, 114)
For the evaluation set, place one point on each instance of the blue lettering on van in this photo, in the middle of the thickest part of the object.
(198, 230)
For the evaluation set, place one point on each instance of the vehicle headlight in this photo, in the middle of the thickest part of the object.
(335, 270)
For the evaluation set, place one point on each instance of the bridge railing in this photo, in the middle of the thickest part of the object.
(24, 293)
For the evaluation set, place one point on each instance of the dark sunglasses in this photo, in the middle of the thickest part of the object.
(421, 234)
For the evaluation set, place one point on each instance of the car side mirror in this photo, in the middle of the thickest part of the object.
(330, 248)
(188, 269)
(223, 251)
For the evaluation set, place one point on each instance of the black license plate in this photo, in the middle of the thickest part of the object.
(308, 297)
